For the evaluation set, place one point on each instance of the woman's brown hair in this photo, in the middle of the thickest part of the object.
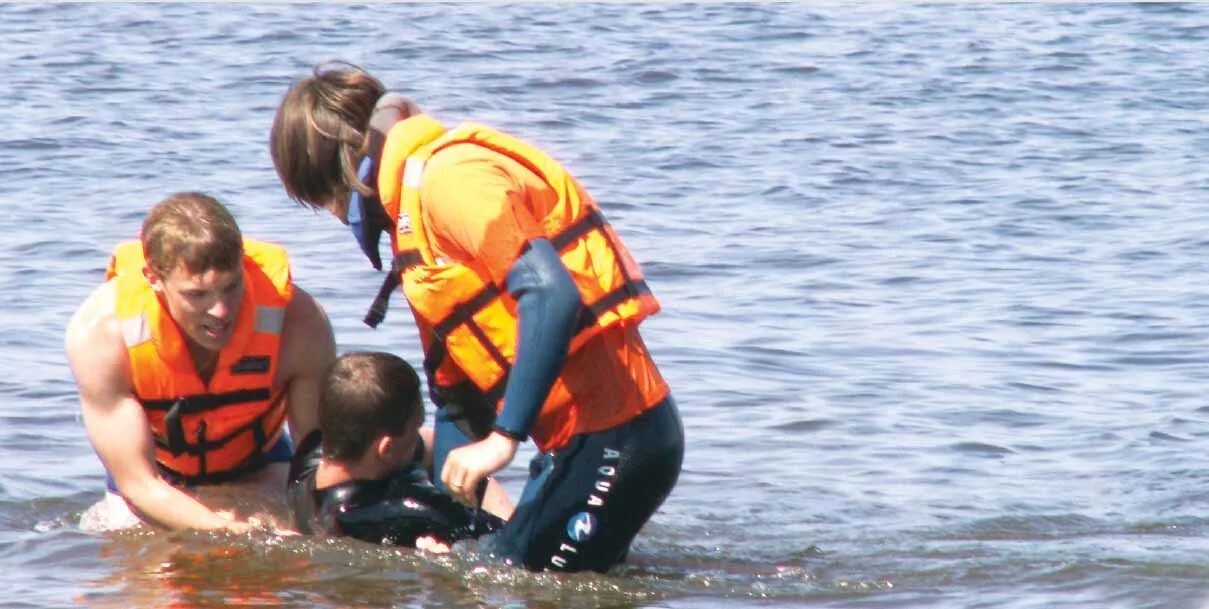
(319, 135)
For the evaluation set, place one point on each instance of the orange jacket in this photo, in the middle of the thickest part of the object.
(207, 432)
(467, 321)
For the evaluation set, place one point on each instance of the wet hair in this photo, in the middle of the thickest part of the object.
(366, 394)
(192, 229)
(319, 135)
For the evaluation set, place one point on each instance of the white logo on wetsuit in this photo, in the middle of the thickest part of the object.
(583, 525)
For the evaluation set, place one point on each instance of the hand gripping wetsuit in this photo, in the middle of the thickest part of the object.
(528, 308)
(394, 511)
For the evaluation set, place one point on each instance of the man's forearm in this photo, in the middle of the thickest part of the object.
(167, 506)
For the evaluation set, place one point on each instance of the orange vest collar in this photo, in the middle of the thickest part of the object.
(404, 139)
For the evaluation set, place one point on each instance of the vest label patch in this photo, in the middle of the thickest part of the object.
(258, 364)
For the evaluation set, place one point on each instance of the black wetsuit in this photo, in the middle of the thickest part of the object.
(585, 503)
(395, 511)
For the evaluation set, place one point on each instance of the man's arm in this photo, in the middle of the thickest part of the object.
(116, 423)
(308, 348)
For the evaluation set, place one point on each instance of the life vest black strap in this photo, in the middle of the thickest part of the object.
(178, 443)
(466, 392)
(407, 259)
(194, 404)
(178, 479)
(259, 436)
(588, 316)
(402, 261)
(590, 221)
(471, 409)
(489, 346)
(201, 441)
(463, 313)
(377, 310)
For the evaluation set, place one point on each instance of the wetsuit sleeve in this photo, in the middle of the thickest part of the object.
(306, 456)
(547, 305)
(300, 489)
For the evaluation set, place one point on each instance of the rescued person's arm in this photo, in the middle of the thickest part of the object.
(116, 424)
(308, 348)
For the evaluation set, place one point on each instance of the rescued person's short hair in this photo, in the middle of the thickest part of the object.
(366, 394)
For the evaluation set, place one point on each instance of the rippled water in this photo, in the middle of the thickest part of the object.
(933, 279)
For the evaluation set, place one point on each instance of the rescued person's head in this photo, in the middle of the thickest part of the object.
(370, 402)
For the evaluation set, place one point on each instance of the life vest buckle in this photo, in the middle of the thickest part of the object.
(177, 444)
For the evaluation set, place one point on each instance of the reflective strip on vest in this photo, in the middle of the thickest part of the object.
(413, 172)
(136, 330)
(270, 320)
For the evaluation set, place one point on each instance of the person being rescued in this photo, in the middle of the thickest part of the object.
(365, 472)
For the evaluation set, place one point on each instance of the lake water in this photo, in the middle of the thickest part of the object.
(933, 276)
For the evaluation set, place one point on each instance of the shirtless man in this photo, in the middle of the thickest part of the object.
(191, 358)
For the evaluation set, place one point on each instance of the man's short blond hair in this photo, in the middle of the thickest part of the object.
(192, 229)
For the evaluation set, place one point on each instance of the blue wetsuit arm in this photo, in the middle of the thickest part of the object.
(547, 307)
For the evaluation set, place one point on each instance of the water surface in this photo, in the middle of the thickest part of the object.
(933, 281)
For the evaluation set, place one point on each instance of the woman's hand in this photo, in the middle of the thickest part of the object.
(466, 467)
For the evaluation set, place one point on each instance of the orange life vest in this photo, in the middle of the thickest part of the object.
(467, 323)
(207, 433)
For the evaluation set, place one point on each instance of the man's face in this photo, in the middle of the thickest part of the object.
(205, 305)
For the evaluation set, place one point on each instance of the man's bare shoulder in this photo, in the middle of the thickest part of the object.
(96, 350)
(307, 340)
(94, 323)
(304, 318)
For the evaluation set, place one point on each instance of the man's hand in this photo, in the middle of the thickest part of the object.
(465, 467)
(231, 524)
(258, 522)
